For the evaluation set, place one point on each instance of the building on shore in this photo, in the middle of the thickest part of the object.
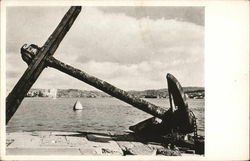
(52, 93)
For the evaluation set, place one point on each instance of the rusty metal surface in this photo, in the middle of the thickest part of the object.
(176, 92)
(108, 88)
(182, 115)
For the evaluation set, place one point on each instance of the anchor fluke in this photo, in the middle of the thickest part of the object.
(181, 119)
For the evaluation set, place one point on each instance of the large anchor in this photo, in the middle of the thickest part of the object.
(179, 118)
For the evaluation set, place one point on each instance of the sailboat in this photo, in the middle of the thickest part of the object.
(77, 105)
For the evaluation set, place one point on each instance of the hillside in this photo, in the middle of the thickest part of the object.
(191, 92)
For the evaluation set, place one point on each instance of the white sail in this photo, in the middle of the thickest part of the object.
(78, 105)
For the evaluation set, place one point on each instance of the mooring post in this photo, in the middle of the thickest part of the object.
(37, 65)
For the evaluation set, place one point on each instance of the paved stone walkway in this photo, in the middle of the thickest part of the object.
(77, 143)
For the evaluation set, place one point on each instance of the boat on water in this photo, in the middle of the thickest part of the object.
(77, 106)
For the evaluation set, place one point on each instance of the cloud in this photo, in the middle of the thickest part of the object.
(188, 14)
(123, 39)
(127, 51)
(15, 67)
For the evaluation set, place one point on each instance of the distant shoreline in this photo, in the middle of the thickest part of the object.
(190, 92)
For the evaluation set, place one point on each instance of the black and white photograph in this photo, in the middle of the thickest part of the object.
(105, 80)
(108, 80)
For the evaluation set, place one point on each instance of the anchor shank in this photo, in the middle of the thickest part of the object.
(37, 65)
(107, 88)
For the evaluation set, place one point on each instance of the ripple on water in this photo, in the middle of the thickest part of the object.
(98, 114)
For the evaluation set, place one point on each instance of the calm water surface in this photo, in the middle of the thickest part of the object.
(99, 114)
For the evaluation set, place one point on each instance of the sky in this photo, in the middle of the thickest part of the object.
(132, 48)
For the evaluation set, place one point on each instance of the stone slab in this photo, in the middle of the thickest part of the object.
(104, 145)
(53, 140)
(23, 140)
(77, 141)
(43, 151)
(90, 151)
(40, 133)
(136, 148)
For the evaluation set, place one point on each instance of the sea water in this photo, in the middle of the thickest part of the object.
(98, 114)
